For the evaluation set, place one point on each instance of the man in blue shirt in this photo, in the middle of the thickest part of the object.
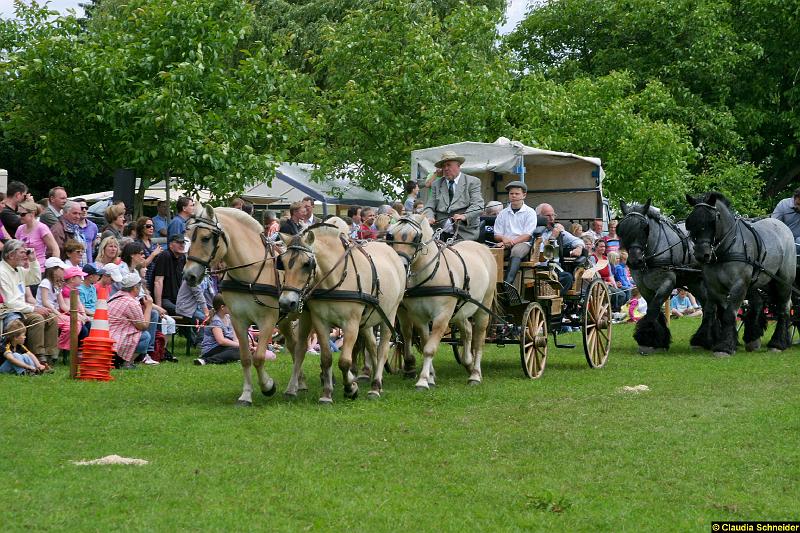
(161, 220)
(184, 208)
(788, 212)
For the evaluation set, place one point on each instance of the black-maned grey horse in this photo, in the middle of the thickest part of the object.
(660, 256)
(740, 260)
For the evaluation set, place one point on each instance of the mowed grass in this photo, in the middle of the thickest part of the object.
(713, 439)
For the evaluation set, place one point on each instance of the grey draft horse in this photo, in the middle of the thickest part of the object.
(742, 259)
(661, 257)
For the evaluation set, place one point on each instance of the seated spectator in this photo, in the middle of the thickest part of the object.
(354, 213)
(576, 229)
(145, 230)
(87, 290)
(168, 273)
(419, 207)
(681, 305)
(108, 253)
(195, 302)
(161, 220)
(35, 234)
(637, 306)
(599, 260)
(17, 359)
(133, 260)
(271, 224)
(75, 253)
(612, 239)
(18, 270)
(50, 287)
(366, 231)
(128, 320)
(620, 274)
(66, 227)
(73, 276)
(219, 344)
(399, 210)
(294, 224)
(115, 222)
(412, 192)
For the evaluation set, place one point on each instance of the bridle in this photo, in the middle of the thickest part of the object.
(217, 234)
(416, 242)
(647, 259)
(312, 267)
(714, 243)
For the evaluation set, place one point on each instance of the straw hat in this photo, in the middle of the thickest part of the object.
(449, 155)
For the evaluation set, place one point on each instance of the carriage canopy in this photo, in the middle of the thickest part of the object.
(571, 183)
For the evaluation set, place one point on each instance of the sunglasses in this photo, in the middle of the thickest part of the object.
(148, 226)
(84, 208)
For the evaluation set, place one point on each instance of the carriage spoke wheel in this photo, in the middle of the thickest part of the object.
(597, 324)
(394, 362)
(533, 341)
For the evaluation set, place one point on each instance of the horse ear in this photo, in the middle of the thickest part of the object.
(309, 238)
(286, 238)
(647, 206)
(691, 199)
(209, 212)
(624, 207)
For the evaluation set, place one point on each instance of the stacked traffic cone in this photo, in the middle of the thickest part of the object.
(97, 357)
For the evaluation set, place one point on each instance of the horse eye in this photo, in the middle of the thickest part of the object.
(207, 238)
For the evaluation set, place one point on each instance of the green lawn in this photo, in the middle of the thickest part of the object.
(714, 439)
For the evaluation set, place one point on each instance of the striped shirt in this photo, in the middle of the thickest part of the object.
(123, 311)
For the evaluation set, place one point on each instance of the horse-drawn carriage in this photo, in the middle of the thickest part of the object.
(534, 307)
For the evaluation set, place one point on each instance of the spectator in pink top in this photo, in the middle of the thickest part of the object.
(35, 234)
(128, 320)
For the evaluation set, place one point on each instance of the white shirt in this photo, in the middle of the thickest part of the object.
(511, 224)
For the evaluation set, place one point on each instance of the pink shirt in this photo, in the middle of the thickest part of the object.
(123, 311)
(35, 239)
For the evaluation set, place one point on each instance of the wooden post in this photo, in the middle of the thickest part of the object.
(668, 309)
(73, 333)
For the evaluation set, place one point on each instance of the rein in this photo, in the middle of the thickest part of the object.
(683, 240)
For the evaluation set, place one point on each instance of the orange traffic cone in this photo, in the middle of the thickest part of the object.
(98, 348)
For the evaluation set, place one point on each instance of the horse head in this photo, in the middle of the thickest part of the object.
(634, 231)
(208, 243)
(299, 266)
(708, 223)
(409, 237)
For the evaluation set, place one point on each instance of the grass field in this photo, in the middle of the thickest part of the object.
(713, 439)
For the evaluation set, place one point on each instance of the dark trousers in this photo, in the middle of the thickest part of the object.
(221, 355)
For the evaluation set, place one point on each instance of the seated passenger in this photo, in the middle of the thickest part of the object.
(570, 244)
(486, 227)
(514, 226)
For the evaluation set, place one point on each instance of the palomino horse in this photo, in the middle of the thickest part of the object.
(444, 282)
(251, 284)
(739, 260)
(661, 257)
(341, 283)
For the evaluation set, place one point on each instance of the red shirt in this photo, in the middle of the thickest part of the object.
(365, 232)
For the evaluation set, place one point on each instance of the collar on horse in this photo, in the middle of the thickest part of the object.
(651, 260)
(218, 234)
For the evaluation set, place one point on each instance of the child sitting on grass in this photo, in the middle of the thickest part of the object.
(17, 359)
(637, 306)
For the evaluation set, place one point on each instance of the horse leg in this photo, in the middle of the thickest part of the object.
(246, 399)
(298, 356)
(430, 345)
(726, 344)
(351, 334)
(465, 327)
(380, 362)
(407, 345)
(480, 322)
(754, 321)
(780, 339)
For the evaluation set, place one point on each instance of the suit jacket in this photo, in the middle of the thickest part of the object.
(467, 200)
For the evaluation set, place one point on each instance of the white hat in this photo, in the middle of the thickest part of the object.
(131, 279)
(113, 271)
(449, 155)
(54, 262)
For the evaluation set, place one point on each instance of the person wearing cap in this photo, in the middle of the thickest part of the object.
(168, 274)
(128, 320)
(18, 270)
(52, 281)
(514, 226)
(454, 202)
(66, 228)
(73, 276)
(35, 234)
(87, 291)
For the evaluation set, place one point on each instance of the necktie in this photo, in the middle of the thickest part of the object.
(450, 185)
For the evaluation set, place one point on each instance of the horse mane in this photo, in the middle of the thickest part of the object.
(422, 220)
(652, 212)
(240, 216)
(712, 197)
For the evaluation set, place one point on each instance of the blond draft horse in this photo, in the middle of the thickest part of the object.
(436, 273)
(232, 236)
(340, 283)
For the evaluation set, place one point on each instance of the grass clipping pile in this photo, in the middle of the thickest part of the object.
(636, 389)
(112, 460)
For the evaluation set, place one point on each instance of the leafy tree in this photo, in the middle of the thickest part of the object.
(160, 88)
(725, 63)
(398, 78)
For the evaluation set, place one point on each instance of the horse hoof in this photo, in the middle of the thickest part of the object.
(721, 354)
(646, 350)
(775, 350)
(363, 378)
(422, 388)
(474, 382)
(243, 403)
(352, 396)
(325, 401)
(289, 396)
(269, 392)
(752, 346)
(373, 395)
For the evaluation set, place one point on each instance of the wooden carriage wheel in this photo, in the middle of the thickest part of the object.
(533, 341)
(394, 362)
(597, 324)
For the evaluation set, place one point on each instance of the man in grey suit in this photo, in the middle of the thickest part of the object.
(455, 200)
